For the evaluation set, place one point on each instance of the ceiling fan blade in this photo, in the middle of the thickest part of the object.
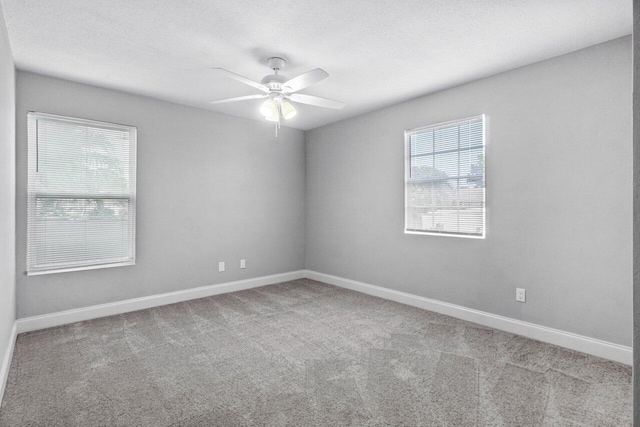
(304, 80)
(316, 100)
(238, 98)
(242, 79)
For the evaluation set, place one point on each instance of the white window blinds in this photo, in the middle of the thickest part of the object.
(445, 179)
(81, 194)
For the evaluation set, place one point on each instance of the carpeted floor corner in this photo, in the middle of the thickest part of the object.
(303, 353)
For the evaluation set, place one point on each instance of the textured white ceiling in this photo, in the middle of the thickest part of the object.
(377, 52)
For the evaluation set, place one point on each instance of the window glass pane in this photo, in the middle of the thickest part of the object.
(81, 230)
(79, 158)
(447, 164)
(446, 138)
(433, 205)
(422, 166)
(472, 162)
(421, 143)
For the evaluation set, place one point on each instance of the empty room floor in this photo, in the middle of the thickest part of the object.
(303, 353)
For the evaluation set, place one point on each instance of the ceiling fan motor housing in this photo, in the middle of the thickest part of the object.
(274, 81)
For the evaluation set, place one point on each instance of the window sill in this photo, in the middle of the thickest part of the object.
(464, 236)
(81, 268)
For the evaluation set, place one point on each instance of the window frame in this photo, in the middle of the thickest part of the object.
(407, 175)
(32, 196)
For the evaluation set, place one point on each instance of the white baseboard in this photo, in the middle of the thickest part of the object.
(34, 323)
(595, 347)
(6, 360)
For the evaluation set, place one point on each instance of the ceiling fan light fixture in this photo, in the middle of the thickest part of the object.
(288, 110)
(269, 109)
(275, 118)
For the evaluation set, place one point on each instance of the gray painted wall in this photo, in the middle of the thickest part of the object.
(7, 190)
(559, 177)
(636, 210)
(210, 188)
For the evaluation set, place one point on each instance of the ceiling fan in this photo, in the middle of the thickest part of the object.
(279, 90)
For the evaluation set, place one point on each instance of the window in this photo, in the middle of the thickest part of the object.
(445, 179)
(81, 194)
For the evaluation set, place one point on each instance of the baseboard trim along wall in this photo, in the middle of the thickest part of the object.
(34, 323)
(6, 360)
(595, 347)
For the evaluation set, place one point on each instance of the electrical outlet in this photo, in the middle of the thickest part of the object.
(221, 266)
(242, 263)
(520, 295)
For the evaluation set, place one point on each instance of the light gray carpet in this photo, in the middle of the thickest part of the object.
(303, 353)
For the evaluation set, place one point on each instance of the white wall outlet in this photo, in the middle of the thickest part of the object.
(520, 294)
(242, 263)
(221, 266)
